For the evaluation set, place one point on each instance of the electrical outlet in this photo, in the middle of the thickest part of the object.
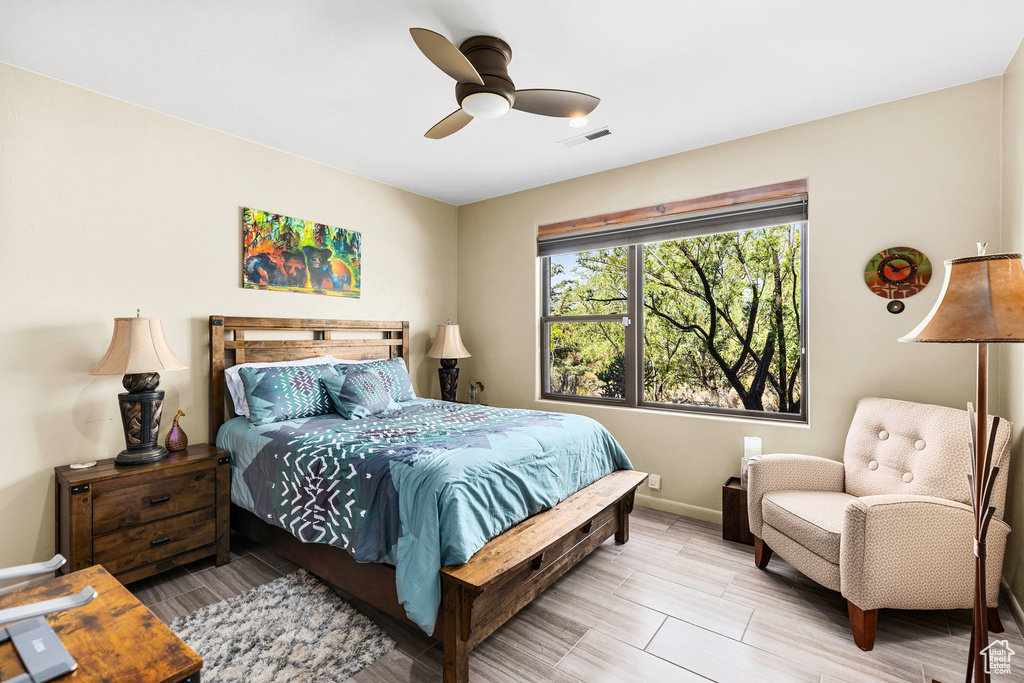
(654, 482)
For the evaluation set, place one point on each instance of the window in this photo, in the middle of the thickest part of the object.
(701, 311)
(586, 303)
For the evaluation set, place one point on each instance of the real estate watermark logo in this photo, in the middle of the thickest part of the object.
(997, 657)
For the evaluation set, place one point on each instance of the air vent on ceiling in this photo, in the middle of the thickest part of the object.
(586, 137)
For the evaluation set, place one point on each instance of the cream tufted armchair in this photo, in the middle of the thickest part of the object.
(891, 525)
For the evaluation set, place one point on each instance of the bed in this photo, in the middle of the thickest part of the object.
(480, 590)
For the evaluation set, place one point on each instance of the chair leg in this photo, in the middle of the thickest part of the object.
(994, 624)
(863, 623)
(762, 553)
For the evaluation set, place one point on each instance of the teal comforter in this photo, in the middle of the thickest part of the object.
(420, 488)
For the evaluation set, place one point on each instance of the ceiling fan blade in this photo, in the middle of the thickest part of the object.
(560, 103)
(445, 56)
(452, 123)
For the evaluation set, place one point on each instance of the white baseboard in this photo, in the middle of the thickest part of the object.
(684, 509)
(1011, 601)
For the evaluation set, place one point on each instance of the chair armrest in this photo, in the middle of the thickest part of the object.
(788, 472)
(915, 552)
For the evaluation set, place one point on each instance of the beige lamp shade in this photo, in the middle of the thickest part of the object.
(982, 301)
(138, 346)
(448, 343)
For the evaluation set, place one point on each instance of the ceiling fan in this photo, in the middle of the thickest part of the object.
(483, 87)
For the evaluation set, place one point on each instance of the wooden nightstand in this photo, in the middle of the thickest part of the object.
(139, 520)
(735, 524)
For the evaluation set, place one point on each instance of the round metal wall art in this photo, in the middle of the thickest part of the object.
(898, 273)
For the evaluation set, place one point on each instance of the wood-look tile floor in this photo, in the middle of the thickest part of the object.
(676, 603)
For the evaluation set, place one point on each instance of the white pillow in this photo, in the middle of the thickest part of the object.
(234, 382)
(345, 361)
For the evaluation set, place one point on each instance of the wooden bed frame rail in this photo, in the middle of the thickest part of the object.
(500, 579)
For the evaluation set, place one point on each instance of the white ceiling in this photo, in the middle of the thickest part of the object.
(341, 81)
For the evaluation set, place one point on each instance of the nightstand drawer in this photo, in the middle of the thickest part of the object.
(118, 508)
(141, 545)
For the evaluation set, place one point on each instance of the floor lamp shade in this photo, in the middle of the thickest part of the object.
(982, 302)
(449, 348)
(139, 352)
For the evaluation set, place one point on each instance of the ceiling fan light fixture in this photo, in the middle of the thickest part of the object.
(578, 121)
(485, 105)
(483, 88)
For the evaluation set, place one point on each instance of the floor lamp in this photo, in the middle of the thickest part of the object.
(982, 302)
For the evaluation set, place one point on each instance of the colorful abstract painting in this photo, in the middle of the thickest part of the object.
(292, 255)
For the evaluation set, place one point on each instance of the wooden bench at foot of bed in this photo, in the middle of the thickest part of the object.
(515, 567)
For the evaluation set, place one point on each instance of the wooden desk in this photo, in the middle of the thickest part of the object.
(113, 638)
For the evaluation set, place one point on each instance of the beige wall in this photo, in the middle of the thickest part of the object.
(106, 207)
(1010, 399)
(922, 172)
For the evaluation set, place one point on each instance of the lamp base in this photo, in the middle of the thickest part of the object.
(126, 457)
(140, 417)
(448, 374)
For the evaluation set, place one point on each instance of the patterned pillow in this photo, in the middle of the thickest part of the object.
(285, 393)
(358, 395)
(393, 375)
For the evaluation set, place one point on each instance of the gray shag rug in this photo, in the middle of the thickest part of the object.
(293, 629)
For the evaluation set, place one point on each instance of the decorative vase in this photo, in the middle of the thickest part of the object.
(176, 439)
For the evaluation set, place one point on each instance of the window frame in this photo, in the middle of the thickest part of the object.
(634, 347)
(629, 340)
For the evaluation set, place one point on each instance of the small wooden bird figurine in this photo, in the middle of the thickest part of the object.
(176, 439)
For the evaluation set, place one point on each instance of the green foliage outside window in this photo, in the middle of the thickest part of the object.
(581, 355)
(721, 321)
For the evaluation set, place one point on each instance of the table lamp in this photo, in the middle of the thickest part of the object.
(449, 348)
(139, 351)
(982, 302)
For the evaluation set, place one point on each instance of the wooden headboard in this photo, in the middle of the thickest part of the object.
(363, 340)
